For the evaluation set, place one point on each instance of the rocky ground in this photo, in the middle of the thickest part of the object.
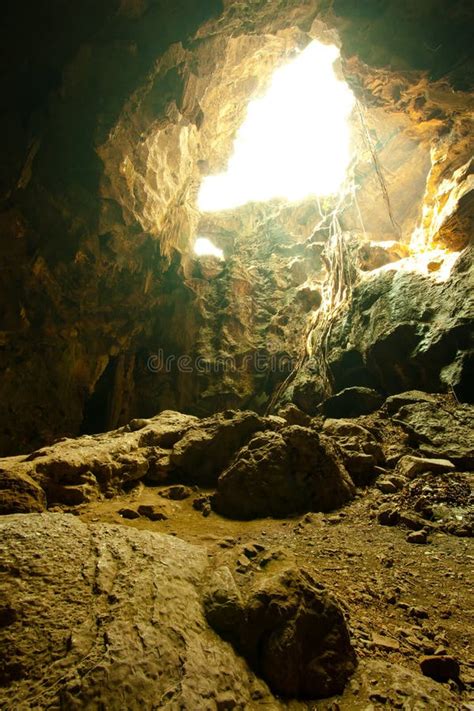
(134, 590)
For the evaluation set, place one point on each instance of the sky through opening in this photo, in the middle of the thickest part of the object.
(295, 140)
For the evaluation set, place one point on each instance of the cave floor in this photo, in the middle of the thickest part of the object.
(402, 600)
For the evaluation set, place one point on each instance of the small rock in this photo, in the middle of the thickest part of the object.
(417, 537)
(388, 515)
(228, 542)
(200, 502)
(383, 642)
(206, 510)
(176, 493)
(418, 612)
(128, 513)
(440, 668)
(152, 512)
(413, 521)
(386, 486)
(251, 550)
(226, 701)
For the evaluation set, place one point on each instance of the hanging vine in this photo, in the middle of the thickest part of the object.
(341, 275)
(335, 295)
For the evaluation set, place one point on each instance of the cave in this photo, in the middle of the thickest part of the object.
(236, 459)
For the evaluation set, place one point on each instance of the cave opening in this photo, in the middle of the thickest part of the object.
(236, 355)
(295, 140)
(97, 409)
(204, 247)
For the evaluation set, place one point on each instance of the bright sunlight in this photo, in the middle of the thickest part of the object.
(204, 247)
(295, 140)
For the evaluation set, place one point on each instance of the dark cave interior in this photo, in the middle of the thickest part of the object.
(261, 444)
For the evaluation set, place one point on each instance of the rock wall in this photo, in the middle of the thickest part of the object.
(110, 123)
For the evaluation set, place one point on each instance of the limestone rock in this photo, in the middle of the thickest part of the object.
(293, 633)
(395, 402)
(205, 451)
(176, 493)
(440, 667)
(352, 402)
(419, 537)
(360, 450)
(106, 616)
(405, 331)
(152, 512)
(409, 466)
(19, 493)
(223, 603)
(281, 473)
(439, 433)
(294, 416)
(74, 471)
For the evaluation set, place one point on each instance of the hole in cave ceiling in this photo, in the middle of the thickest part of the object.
(203, 247)
(295, 140)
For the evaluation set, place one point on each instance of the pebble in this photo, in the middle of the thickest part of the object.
(128, 513)
(417, 537)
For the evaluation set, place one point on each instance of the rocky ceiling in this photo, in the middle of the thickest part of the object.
(111, 114)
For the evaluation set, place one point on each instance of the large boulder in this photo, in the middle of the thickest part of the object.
(439, 432)
(291, 631)
(205, 450)
(110, 617)
(352, 402)
(361, 452)
(282, 473)
(403, 330)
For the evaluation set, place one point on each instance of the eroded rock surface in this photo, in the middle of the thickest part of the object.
(106, 616)
(282, 473)
(404, 330)
(291, 631)
(440, 433)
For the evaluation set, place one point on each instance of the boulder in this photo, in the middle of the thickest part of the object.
(294, 416)
(409, 466)
(395, 402)
(360, 450)
(282, 473)
(223, 604)
(440, 667)
(352, 402)
(290, 630)
(440, 433)
(103, 616)
(19, 493)
(205, 450)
